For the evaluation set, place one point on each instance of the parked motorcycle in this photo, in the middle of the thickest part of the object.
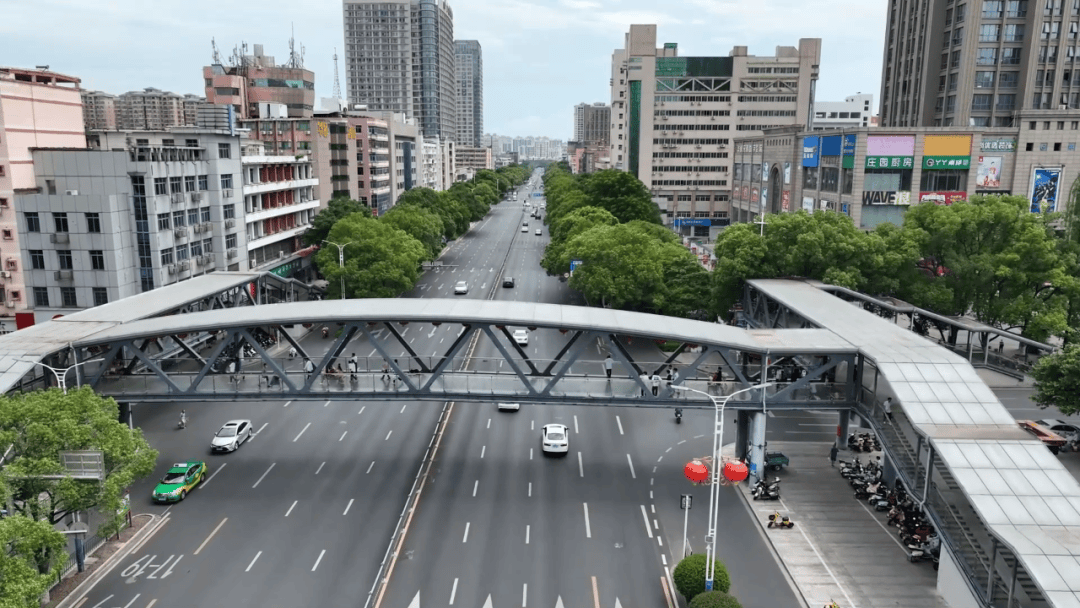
(766, 490)
(778, 521)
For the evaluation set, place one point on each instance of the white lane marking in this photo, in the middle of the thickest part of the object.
(771, 415)
(453, 592)
(530, 453)
(343, 435)
(650, 495)
(581, 468)
(667, 450)
(475, 485)
(659, 540)
(321, 553)
(372, 353)
(388, 435)
(348, 506)
(532, 425)
(327, 404)
(248, 569)
(656, 524)
(287, 404)
(403, 408)
(576, 431)
(652, 508)
(361, 410)
(291, 507)
(465, 538)
(133, 600)
(619, 422)
(320, 467)
(207, 480)
(530, 489)
(489, 423)
(301, 432)
(258, 431)
(526, 535)
(482, 450)
(681, 442)
(524, 594)
(264, 475)
(645, 516)
(406, 331)
(211, 535)
(588, 530)
(663, 558)
(631, 463)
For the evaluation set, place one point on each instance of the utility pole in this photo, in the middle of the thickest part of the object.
(341, 262)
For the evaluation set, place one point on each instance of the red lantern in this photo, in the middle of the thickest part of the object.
(735, 471)
(696, 471)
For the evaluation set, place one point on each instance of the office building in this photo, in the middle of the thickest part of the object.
(38, 108)
(952, 63)
(476, 159)
(470, 92)
(250, 80)
(399, 57)
(137, 211)
(873, 175)
(592, 123)
(99, 111)
(855, 111)
(156, 110)
(673, 118)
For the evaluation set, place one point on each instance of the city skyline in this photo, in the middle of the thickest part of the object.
(526, 91)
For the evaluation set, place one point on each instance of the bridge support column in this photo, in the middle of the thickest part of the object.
(842, 429)
(125, 414)
(757, 446)
(742, 435)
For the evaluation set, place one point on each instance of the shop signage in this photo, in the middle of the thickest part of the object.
(946, 162)
(849, 145)
(810, 151)
(808, 204)
(286, 269)
(876, 197)
(831, 145)
(692, 221)
(942, 198)
(998, 144)
(890, 162)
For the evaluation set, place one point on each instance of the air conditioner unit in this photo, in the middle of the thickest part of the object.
(196, 197)
(207, 227)
(179, 232)
(177, 198)
(229, 223)
(231, 253)
(64, 275)
(10, 304)
(76, 192)
(196, 228)
(170, 268)
(5, 274)
(61, 237)
(183, 265)
(227, 193)
(208, 259)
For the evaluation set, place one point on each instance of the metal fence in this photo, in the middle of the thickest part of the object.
(90, 545)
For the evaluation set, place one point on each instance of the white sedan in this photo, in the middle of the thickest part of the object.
(511, 407)
(461, 288)
(521, 337)
(555, 439)
(231, 435)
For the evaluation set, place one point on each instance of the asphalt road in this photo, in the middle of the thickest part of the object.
(304, 512)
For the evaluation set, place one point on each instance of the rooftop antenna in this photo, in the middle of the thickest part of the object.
(337, 83)
(216, 56)
(296, 60)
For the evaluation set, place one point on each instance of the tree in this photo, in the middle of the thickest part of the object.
(419, 223)
(38, 426)
(689, 576)
(573, 224)
(622, 194)
(714, 599)
(324, 220)
(30, 544)
(1057, 380)
(380, 262)
(620, 266)
(686, 285)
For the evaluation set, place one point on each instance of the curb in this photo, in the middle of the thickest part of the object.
(106, 567)
(776, 554)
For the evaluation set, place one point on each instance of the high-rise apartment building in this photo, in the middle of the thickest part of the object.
(592, 123)
(99, 111)
(956, 63)
(470, 92)
(399, 57)
(38, 109)
(673, 117)
(155, 110)
(251, 80)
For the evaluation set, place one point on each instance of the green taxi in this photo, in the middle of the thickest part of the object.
(181, 479)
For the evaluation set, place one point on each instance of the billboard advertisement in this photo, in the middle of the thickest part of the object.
(997, 144)
(880, 197)
(1045, 187)
(947, 145)
(942, 198)
(989, 175)
(890, 152)
(808, 203)
(811, 151)
(785, 200)
(746, 193)
(787, 173)
(831, 145)
(753, 195)
(848, 162)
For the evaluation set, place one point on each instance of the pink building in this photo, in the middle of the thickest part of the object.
(38, 109)
(260, 80)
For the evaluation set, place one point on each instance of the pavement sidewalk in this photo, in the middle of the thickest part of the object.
(840, 549)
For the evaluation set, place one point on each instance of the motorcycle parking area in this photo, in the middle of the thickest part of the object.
(840, 548)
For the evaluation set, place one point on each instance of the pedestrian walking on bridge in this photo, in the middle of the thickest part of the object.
(608, 364)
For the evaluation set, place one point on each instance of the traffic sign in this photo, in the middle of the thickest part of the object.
(685, 500)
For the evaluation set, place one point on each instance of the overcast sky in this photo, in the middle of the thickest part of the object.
(541, 57)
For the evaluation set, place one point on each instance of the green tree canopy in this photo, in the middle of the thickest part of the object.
(30, 545)
(381, 261)
(622, 194)
(1057, 380)
(555, 261)
(325, 219)
(419, 223)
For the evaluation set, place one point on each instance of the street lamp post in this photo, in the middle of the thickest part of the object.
(61, 372)
(714, 486)
(341, 262)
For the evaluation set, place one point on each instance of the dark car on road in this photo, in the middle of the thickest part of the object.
(508, 282)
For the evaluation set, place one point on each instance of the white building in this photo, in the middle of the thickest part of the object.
(279, 204)
(470, 92)
(854, 112)
(144, 210)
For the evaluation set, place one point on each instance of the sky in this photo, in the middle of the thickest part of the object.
(541, 57)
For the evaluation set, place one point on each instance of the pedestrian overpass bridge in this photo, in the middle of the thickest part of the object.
(1008, 512)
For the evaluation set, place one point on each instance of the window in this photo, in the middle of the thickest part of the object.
(1006, 101)
(226, 181)
(941, 83)
(950, 103)
(810, 178)
(97, 260)
(1014, 32)
(208, 245)
(37, 259)
(189, 183)
(166, 256)
(196, 249)
(60, 222)
(178, 219)
(830, 179)
(1061, 125)
(847, 177)
(41, 297)
(960, 10)
(955, 59)
(1030, 146)
(989, 32)
(228, 211)
(230, 241)
(224, 151)
(944, 181)
(1010, 56)
(33, 222)
(981, 102)
(992, 9)
(163, 222)
(1057, 147)
(101, 296)
(1017, 8)
(204, 182)
(987, 56)
(93, 222)
(958, 36)
(984, 80)
(181, 253)
(67, 297)
(980, 121)
(176, 185)
(65, 260)
(952, 81)
(161, 186)
(204, 214)
(1052, 8)
(192, 217)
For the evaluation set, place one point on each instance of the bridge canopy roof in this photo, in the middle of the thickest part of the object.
(1019, 489)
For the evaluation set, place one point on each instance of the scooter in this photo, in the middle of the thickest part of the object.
(183, 422)
(767, 490)
(325, 332)
(928, 550)
(775, 520)
(678, 415)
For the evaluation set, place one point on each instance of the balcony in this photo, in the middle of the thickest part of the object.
(64, 275)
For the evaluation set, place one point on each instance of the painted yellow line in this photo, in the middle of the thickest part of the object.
(211, 535)
(81, 602)
(152, 602)
(667, 592)
(595, 594)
